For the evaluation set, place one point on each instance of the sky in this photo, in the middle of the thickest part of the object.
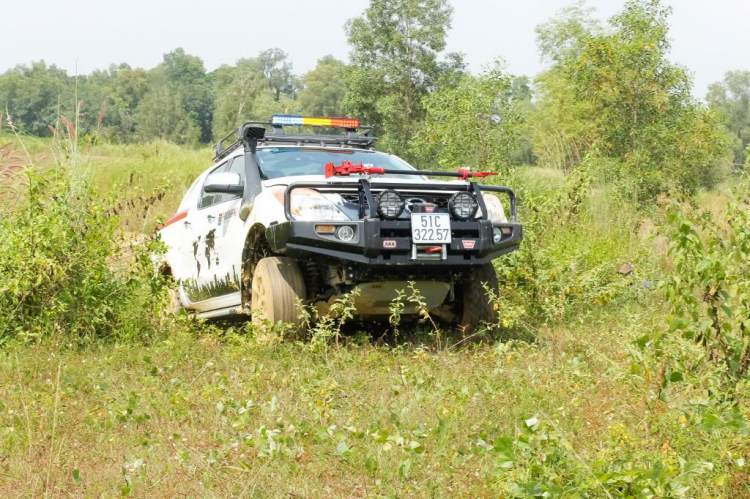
(708, 36)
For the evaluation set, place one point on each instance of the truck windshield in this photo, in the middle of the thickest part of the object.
(278, 162)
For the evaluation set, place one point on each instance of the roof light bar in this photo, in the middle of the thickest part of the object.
(294, 120)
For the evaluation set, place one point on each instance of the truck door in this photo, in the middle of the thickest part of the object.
(216, 283)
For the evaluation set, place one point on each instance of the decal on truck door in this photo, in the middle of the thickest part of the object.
(210, 245)
(230, 283)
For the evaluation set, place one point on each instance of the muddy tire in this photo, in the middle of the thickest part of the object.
(174, 306)
(278, 287)
(475, 306)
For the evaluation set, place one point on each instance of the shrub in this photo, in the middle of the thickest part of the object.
(617, 91)
(709, 289)
(576, 240)
(541, 461)
(475, 123)
(65, 271)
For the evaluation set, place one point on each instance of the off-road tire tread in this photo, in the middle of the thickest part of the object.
(476, 307)
(282, 282)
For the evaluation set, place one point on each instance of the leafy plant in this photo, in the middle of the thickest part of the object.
(709, 289)
(327, 328)
(472, 123)
(65, 271)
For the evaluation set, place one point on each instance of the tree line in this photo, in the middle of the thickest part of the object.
(610, 93)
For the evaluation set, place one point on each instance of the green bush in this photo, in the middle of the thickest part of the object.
(709, 288)
(474, 123)
(65, 271)
(577, 238)
(541, 461)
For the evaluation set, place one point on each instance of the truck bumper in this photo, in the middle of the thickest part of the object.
(388, 243)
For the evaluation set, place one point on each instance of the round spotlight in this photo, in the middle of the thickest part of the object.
(390, 204)
(463, 205)
(345, 233)
(497, 235)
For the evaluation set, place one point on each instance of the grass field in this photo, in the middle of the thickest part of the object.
(199, 415)
(557, 404)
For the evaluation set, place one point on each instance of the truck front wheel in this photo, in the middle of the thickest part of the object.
(278, 287)
(475, 305)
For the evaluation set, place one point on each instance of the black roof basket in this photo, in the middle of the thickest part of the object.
(357, 138)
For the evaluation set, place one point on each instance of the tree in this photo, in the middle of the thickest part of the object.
(130, 87)
(618, 94)
(277, 70)
(245, 92)
(732, 97)
(325, 87)
(564, 36)
(237, 88)
(395, 45)
(162, 114)
(563, 127)
(36, 95)
(520, 94)
(474, 123)
(186, 76)
(648, 118)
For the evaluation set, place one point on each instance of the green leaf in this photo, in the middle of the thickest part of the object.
(342, 449)
(405, 469)
(676, 377)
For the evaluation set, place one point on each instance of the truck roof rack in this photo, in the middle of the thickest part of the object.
(357, 136)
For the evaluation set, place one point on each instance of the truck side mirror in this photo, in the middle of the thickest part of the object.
(224, 183)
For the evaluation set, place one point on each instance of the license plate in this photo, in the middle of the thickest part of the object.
(430, 228)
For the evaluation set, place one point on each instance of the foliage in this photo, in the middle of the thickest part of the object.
(325, 88)
(709, 289)
(179, 104)
(732, 97)
(34, 94)
(563, 37)
(394, 64)
(562, 126)
(540, 461)
(60, 268)
(120, 90)
(577, 237)
(328, 326)
(161, 115)
(237, 89)
(276, 69)
(622, 81)
(473, 123)
(174, 101)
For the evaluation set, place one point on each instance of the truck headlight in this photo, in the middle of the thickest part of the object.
(309, 204)
(495, 211)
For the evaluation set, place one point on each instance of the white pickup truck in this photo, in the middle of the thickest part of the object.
(275, 224)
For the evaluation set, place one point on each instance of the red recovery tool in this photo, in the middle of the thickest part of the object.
(464, 174)
(348, 168)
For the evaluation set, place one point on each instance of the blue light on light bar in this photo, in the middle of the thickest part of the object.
(287, 119)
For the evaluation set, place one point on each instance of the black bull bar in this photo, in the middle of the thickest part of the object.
(365, 188)
(381, 242)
